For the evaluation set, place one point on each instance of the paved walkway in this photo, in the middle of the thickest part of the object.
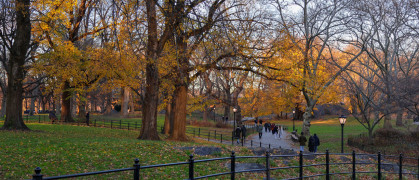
(284, 142)
(267, 140)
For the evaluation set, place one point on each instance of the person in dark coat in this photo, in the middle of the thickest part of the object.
(243, 132)
(266, 127)
(238, 133)
(87, 118)
(316, 142)
(302, 140)
(311, 144)
(275, 132)
(259, 129)
(269, 127)
(52, 117)
(260, 121)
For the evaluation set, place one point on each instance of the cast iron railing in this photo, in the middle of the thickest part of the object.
(268, 169)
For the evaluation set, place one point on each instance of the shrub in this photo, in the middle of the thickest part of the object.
(220, 124)
(117, 108)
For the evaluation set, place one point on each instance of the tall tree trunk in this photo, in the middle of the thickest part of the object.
(15, 69)
(58, 105)
(178, 114)
(205, 114)
(32, 107)
(3, 106)
(151, 97)
(387, 122)
(399, 118)
(125, 101)
(166, 128)
(108, 104)
(66, 103)
(131, 104)
(307, 117)
(82, 107)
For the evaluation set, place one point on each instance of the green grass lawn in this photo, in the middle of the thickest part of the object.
(64, 149)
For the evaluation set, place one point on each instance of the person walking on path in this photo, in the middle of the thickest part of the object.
(266, 126)
(87, 118)
(302, 139)
(243, 132)
(269, 126)
(275, 131)
(259, 128)
(316, 142)
(238, 133)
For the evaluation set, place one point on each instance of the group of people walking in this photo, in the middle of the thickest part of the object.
(240, 132)
(275, 129)
(313, 142)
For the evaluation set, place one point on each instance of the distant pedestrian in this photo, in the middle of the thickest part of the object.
(243, 132)
(87, 118)
(269, 127)
(52, 117)
(256, 121)
(227, 119)
(260, 121)
(316, 142)
(259, 128)
(275, 131)
(279, 132)
(266, 127)
(302, 139)
(238, 133)
(272, 128)
(311, 144)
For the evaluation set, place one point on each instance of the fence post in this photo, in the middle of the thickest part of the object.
(194, 132)
(327, 165)
(233, 165)
(242, 141)
(251, 143)
(27, 118)
(400, 166)
(135, 125)
(37, 175)
(221, 138)
(269, 145)
(39, 119)
(379, 166)
(301, 165)
(191, 163)
(215, 134)
(353, 165)
(137, 169)
(111, 124)
(95, 122)
(260, 144)
(268, 175)
(199, 132)
(120, 123)
(128, 126)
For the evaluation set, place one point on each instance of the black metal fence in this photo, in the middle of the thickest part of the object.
(404, 168)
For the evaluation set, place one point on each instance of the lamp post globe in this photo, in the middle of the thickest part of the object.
(342, 121)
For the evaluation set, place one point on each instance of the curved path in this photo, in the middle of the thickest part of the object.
(284, 142)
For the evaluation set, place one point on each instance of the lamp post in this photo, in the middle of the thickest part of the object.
(293, 118)
(234, 118)
(214, 113)
(342, 120)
